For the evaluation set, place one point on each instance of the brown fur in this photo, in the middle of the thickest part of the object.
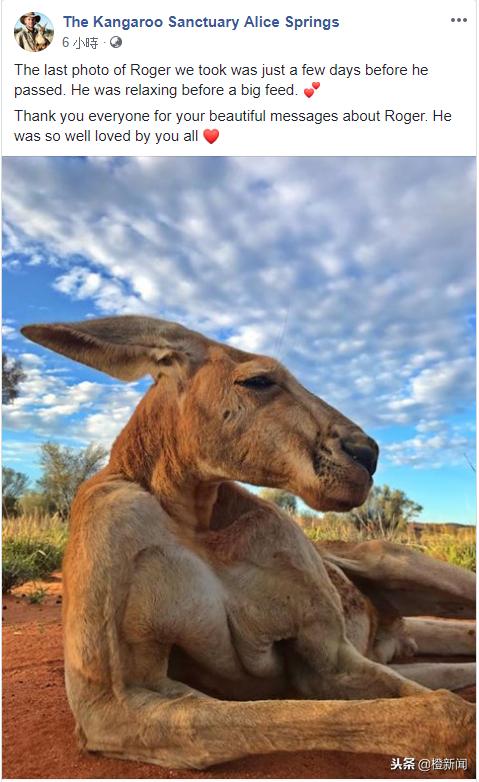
(360, 616)
(173, 570)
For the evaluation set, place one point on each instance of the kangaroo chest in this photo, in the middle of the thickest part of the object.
(227, 608)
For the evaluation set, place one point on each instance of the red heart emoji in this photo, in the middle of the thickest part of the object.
(308, 92)
(211, 135)
(316, 84)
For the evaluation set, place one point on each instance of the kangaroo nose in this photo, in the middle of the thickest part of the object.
(365, 452)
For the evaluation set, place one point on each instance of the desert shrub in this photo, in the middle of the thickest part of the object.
(385, 514)
(26, 560)
(457, 549)
(333, 526)
(282, 498)
(34, 502)
(33, 548)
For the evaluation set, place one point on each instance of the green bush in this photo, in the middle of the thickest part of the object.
(26, 559)
(455, 549)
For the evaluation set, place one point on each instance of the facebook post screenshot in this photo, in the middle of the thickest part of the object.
(239, 463)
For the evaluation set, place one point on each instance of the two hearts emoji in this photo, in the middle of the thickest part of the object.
(211, 135)
(310, 92)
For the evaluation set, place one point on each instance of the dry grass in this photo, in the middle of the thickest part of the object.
(33, 544)
(454, 545)
(458, 548)
(337, 530)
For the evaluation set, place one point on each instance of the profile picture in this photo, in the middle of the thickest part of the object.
(33, 32)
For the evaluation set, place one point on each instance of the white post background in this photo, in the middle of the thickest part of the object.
(373, 32)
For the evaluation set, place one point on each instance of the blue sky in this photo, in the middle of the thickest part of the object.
(358, 273)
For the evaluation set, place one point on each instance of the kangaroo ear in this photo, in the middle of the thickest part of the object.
(126, 347)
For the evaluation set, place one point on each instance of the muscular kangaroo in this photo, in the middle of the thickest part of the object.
(201, 625)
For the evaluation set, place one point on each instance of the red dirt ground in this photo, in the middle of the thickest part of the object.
(38, 740)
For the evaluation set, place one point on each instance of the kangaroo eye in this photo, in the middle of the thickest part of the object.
(259, 382)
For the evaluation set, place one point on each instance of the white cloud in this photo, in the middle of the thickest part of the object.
(436, 444)
(358, 272)
(428, 426)
(250, 338)
(15, 452)
(75, 414)
(8, 332)
(446, 380)
(46, 400)
(31, 360)
(105, 425)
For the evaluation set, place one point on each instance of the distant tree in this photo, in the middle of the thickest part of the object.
(64, 469)
(13, 374)
(14, 484)
(35, 502)
(385, 512)
(283, 499)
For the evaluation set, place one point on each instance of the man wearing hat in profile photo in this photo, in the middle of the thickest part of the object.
(30, 37)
